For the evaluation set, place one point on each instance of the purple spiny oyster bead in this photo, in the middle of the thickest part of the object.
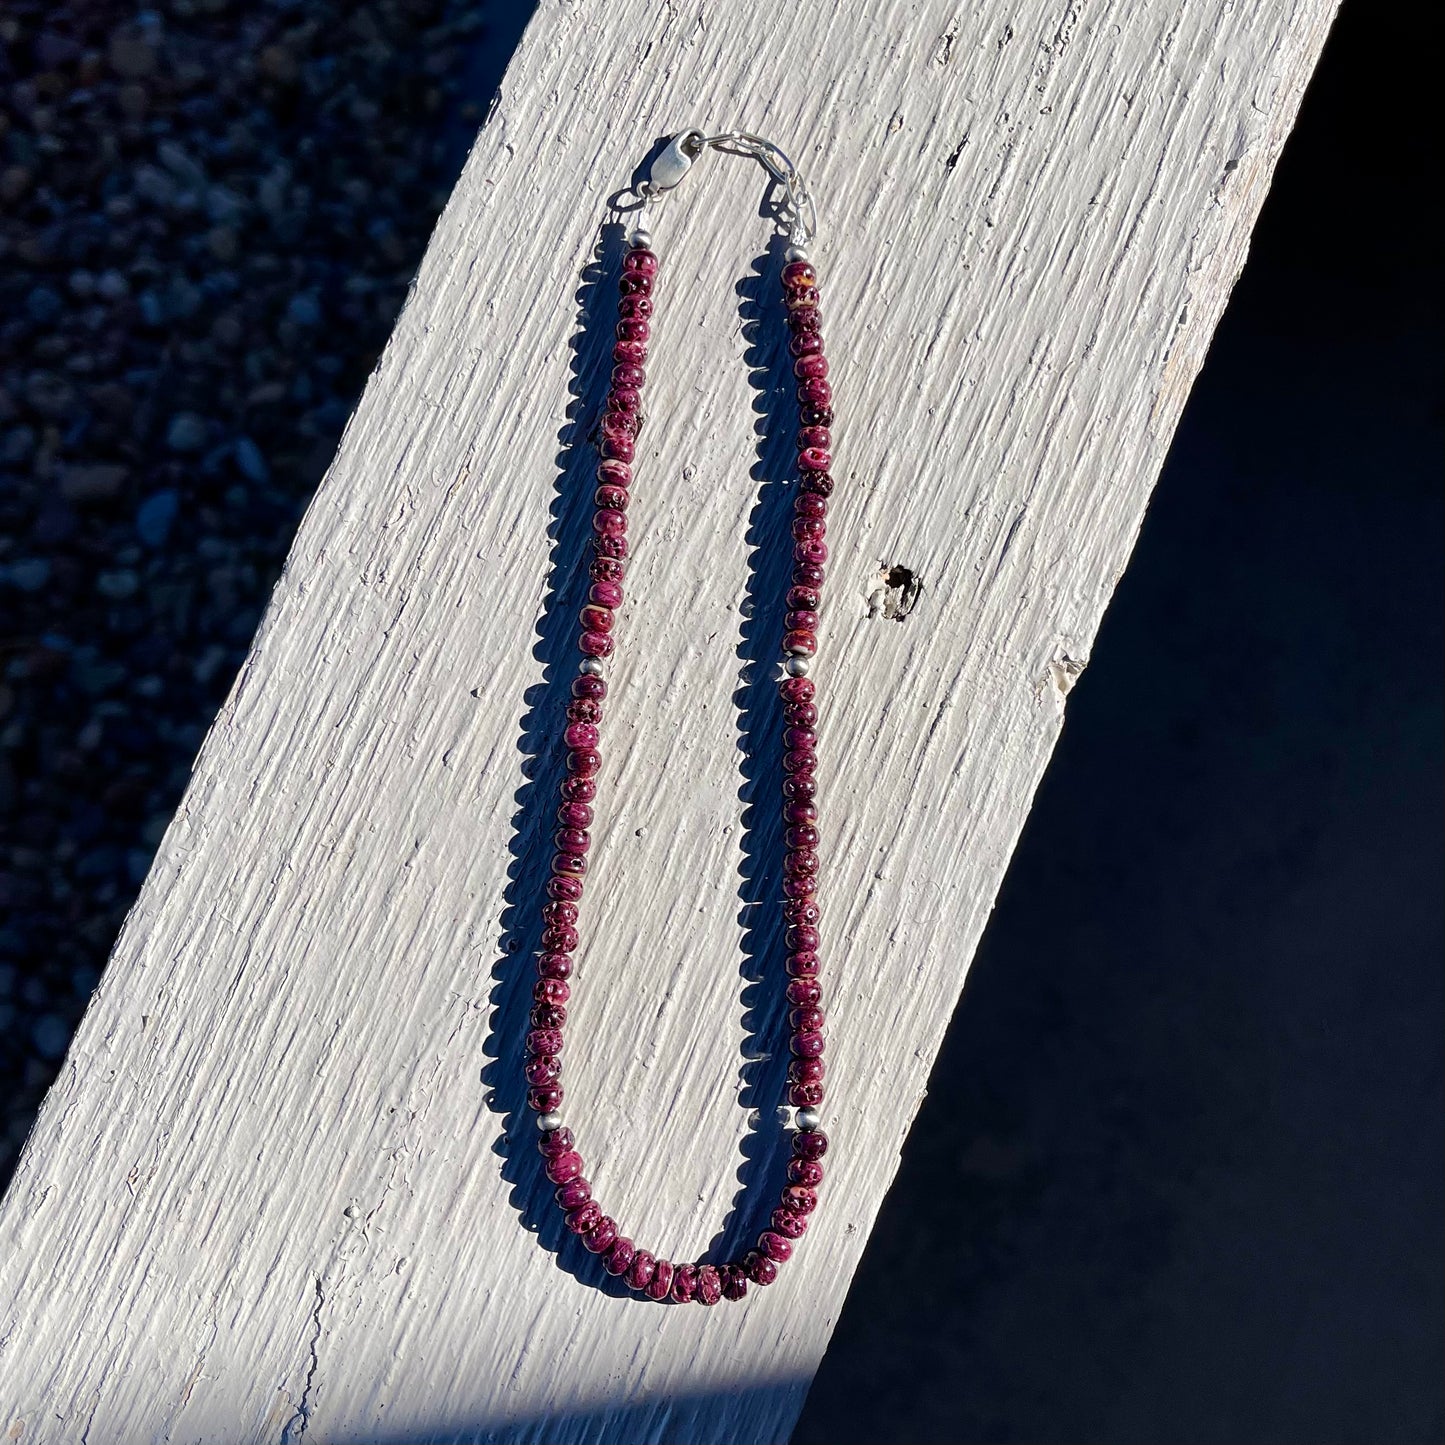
(601, 1236)
(810, 1144)
(760, 1269)
(644, 1266)
(574, 1194)
(556, 1143)
(659, 1287)
(788, 1224)
(777, 1249)
(581, 1219)
(544, 1041)
(684, 1283)
(709, 1285)
(618, 1259)
(734, 1281)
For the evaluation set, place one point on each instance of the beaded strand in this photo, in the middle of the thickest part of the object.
(655, 1277)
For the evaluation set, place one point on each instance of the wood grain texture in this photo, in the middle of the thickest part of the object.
(270, 1198)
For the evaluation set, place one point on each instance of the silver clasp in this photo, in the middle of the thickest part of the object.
(798, 212)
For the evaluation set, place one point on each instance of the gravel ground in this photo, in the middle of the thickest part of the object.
(209, 217)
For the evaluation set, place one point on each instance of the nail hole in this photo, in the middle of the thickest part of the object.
(895, 592)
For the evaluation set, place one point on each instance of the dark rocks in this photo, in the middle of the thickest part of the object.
(209, 217)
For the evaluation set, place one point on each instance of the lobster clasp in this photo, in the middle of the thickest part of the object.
(675, 161)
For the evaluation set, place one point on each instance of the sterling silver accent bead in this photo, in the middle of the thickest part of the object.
(807, 1118)
(798, 253)
(640, 237)
(592, 666)
(797, 666)
(548, 1122)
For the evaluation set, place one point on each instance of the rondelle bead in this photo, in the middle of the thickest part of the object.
(589, 685)
(549, 1015)
(632, 328)
(597, 619)
(579, 790)
(618, 444)
(581, 736)
(802, 910)
(809, 529)
(606, 569)
(709, 1285)
(804, 991)
(635, 303)
(612, 545)
(628, 401)
(557, 912)
(628, 373)
(799, 273)
(573, 865)
(800, 760)
(804, 963)
(802, 836)
(612, 473)
(584, 762)
(788, 1224)
(760, 1269)
(808, 574)
(573, 1194)
(644, 1265)
(777, 1249)
(814, 436)
(813, 552)
(806, 1172)
(618, 421)
(601, 1236)
(807, 1045)
(659, 1287)
(562, 1167)
(559, 938)
(596, 644)
(800, 735)
(542, 1072)
(640, 261)
(799, 863)
(810, 1144)
(549, 1123)
(813, 367)
(810, 504)
(618, 1259)
(798, 689)
(634, 283)
(802, 936)
(796, 297)
(800, 642)
(806, 343)
(815, 392)
(806, 318)
(815, 415)
(815, 459)
(734, 1281)
(802, 785)
(800, 885)
(609, 522)
(800, 1198)
(606, 594)
(560, 887)
(581, 1219)
(544, 1101)
(806, 1071)
(551, 990)
(806, 1018)
(630, 353)
(584, 710)
(555, 963)
(684, 1283)
(611, 499)
(800, 812)
(544, 1041)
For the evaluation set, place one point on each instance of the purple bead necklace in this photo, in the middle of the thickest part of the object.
(651, 1275)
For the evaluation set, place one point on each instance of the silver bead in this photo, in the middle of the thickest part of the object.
(807, 1118)
(640, 237)
(592, 666)
(797, 666)
(797, 253)
(548, 1122)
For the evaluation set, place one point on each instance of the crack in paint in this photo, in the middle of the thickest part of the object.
(302, 1418)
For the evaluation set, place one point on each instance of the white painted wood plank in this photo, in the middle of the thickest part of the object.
(268, 1197)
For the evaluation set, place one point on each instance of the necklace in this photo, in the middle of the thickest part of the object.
(654, 1277)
